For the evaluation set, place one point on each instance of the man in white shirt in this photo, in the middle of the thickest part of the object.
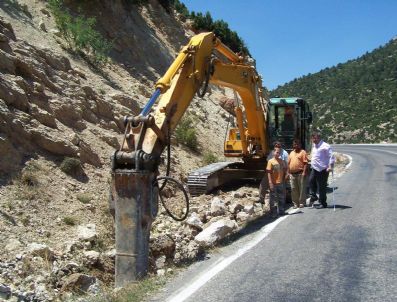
(322, 162)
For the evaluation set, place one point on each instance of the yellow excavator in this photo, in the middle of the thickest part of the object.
(135, 182)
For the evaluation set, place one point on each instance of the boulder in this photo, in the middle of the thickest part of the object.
(236, 207)
(218, 207)
(87, 232)
(249, 209)
(215, 232)
(162, 245)
(78, 283)
(194, 221)
(40, 250)
(5, 292)
(91, 258)
(12, 244)
(242, 217)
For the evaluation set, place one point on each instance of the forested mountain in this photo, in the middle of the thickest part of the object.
(353, 102)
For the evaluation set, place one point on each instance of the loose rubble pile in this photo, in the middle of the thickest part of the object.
(38, 272)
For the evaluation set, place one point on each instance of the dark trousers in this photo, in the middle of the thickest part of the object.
(318, 181)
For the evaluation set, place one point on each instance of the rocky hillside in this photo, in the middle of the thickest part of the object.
(60, 120)
(353, 102)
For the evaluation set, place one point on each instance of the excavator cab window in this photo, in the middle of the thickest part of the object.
(289, 118)
(283, 124)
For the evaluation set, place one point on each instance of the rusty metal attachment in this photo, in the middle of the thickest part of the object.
(136, 205)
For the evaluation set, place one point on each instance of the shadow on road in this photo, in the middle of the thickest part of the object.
(331, 189)
(339, 206)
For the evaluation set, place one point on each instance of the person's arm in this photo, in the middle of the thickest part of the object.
(305, 161)
(285, 169)
(269, 171)
(269, 176)
(331, 160)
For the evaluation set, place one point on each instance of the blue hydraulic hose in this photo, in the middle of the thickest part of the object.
(151, 102)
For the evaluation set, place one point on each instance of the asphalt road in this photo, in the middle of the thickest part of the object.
(344, 254)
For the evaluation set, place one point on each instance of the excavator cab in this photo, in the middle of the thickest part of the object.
(289, 118)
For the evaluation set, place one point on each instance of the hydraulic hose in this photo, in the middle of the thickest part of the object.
(182, 188)
(151, 102)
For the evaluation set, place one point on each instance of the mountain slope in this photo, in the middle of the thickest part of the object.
(353, 102)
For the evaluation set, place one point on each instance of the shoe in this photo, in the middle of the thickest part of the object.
(322, 206)
(313, 198)
(301, 205)
(294, 207)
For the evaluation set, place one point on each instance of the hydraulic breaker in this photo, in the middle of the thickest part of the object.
(136, 203)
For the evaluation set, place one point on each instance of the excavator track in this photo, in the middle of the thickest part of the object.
(206, 179)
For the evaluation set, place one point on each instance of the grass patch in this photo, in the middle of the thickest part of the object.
(25, 221)
(84, 197)
(134, 292)
(210, 158)
(29, 179)
(71, 166)
(186, 134)
(28, 182)
(69, 220)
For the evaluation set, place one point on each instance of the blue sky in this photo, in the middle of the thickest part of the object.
(291, 38)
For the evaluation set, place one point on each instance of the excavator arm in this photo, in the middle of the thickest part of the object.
(135, 189)
(245, 81)
(148, 133)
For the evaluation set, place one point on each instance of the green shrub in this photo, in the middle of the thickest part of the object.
(185, 133)
(210, 158)
(80, 33)
(71, 166)
(25, 221)
(84, 197)
(29, 178)
(204, 22)
(69, 220)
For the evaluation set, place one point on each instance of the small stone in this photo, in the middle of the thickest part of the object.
(40, 250)
(160, 272)
(160, 262)
(87, 232)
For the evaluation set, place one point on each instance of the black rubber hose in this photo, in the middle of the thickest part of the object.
(182, 188)
(203, 89)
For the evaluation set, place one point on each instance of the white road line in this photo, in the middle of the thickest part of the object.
(350, 161)
(225, 262)
(380, 150)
